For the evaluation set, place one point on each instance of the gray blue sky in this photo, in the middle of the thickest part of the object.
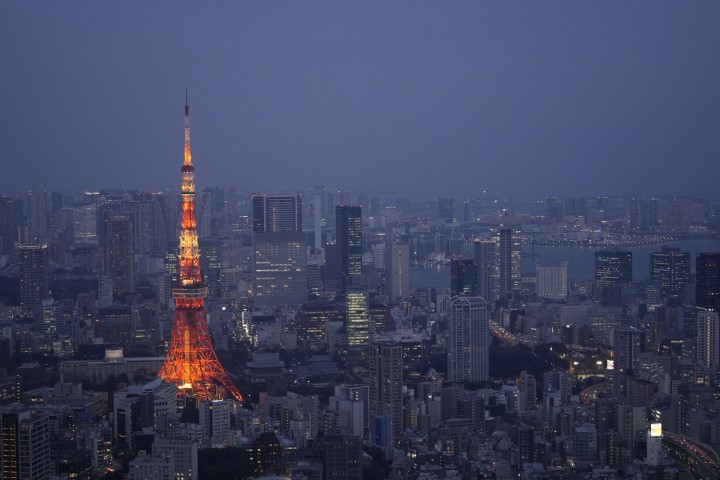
(426, 98)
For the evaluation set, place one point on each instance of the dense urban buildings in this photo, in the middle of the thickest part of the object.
(360, 334)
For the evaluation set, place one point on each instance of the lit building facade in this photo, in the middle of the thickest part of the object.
(280, 251)
(508, 251)
(25, 452)
(670, 267)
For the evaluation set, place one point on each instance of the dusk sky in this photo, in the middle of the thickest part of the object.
(422, 98)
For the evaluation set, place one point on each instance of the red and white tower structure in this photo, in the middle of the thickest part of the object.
(191, 362)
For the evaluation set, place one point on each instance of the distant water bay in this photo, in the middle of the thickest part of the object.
(581, 261)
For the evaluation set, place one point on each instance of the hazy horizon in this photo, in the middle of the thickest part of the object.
(426, 99)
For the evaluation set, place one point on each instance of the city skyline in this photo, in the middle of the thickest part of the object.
(564, 99)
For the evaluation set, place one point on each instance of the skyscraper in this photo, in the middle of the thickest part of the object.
(33, 274)
(280, 252)
(707, 291)
(277, 213)
(120, 252)
(552, 282)
(386, 366)
(469, 340)
(708, 339)
(357, 318)
(446, 209)
(463, 277)
(643, 213)
(627, 344)
(37, 209)
(485, 262)
(348, 238)
(25, 452)
(612, 268)
(508, 252)
(11, 217)
(671, 268)
(398, 285)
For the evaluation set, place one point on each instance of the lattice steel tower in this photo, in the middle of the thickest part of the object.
(191, 361)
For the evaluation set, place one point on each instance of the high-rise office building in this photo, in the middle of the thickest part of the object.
(707, 290)
(554, 209)
(552, 282)
(280, 269)
(398, 283)
(708, 339)
(318, 216)
(357, 319)
(463, 277)
(670, 267)
(469, 340)
(575, 207)
(508, 251)
(446, 209)
(386, 367)
(627, 344)
(37, 213)
(277, 213)
(348, 238)
(280, 252)
(120, 252)
(143, 225)
(25, 438)
(33, 274)
(485, 262)
(11, 217)
(612, 267)
(643, 213)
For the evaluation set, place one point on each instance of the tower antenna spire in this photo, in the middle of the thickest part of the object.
(191, 362)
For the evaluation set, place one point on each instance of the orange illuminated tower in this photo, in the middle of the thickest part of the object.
(191, 361)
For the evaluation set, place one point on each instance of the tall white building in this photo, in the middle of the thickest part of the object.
(552, 282)
(183, 451)
(151, 467)
(653, 440)
(708, 331)
(469, 342)
(215, 422)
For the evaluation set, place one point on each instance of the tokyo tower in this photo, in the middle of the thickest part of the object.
(191, 362)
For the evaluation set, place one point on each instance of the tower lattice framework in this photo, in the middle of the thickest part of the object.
(191, 362)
